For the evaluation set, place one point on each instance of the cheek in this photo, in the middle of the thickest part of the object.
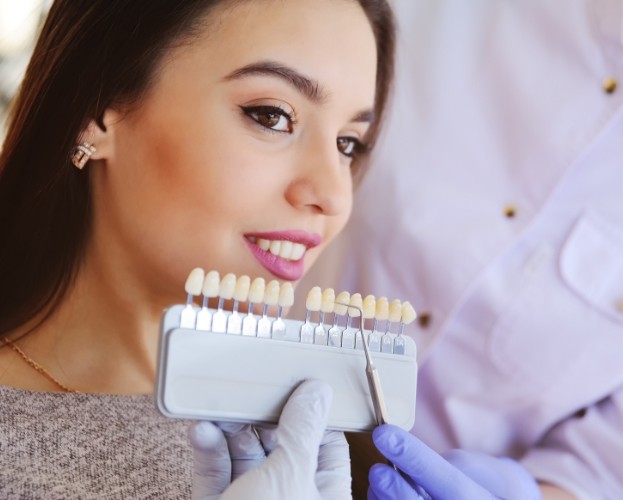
(337, 225)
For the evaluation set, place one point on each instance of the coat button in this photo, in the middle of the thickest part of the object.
(609, 85)
(424, 319)
(510, 211)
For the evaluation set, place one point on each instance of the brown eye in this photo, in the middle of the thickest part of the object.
(269, 120)
(348, 146)
(270, 117)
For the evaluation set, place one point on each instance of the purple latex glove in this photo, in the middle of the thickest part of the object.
(457, 475)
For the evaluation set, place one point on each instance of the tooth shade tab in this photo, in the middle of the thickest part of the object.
(286, 295)
(369, 306)
(357, 302)
(241, 292)
(341, 299)
(408, 313)
(395, 311)
(314, 299)
(328, 300)
(382, 309)
(256, 292)
(227, 286)
(211, 284)
(194, 282)
(284, 249)
(271, 295)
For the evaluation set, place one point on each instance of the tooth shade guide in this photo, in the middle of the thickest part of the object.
(374, 340)
(286, 295)
(307, 333)
(249, 323)
(194, 282)
(334, 336)
(211, 284)
(387, 343)
(190, 357)
(241, 290)
(278, 328)
(314, 299)
(264, 327)
(204, 318)
(395, 311)
(341, 303)
(326, 331)
(408, 313)
(399, 344)
(234, 321)
(256, 291)
(227, 286)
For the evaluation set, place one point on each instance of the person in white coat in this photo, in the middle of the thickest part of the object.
(495, 206)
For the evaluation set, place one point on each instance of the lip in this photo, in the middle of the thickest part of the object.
(291, 270)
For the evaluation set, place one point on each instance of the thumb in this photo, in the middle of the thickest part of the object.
(212, 464)
(301, 427)
(290, 468)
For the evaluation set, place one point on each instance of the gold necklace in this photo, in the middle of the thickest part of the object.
(36, 365)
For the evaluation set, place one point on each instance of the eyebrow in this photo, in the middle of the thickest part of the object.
(309, 87)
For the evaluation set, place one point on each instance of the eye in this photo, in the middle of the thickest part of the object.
(270, 117)
(350, 146)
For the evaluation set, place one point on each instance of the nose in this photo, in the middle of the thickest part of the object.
(323, 183)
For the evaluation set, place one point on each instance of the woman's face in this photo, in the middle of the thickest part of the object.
(244, 142)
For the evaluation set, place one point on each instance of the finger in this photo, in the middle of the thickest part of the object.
(244, 445)
(333, 478)
(303, 421)
(371, 495)
(387, 484)
(212, 464)
(425, 466)
(268, 436)
(509, 474)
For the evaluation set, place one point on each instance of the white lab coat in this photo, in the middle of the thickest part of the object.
(500, 107)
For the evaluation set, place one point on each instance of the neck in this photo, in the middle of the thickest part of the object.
(103, 338)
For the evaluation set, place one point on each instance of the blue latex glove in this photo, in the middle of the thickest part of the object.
(457, 475)
(295, 460)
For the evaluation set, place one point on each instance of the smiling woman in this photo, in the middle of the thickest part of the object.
(150, 137)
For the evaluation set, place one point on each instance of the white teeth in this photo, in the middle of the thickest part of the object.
(298, 251)
(284, 249)
(275, 247)
(263, 244)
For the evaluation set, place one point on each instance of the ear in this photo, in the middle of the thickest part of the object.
(101, 135)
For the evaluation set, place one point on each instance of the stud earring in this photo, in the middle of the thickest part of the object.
(81, 154)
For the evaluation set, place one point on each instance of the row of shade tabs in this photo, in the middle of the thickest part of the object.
(341, 320)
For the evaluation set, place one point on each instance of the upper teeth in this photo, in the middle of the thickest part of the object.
(281, 248)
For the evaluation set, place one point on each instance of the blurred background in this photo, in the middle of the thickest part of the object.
(20, 21)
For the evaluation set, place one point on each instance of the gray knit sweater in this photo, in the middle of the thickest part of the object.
(90, 446)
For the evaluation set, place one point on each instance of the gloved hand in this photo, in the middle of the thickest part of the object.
(457, 475)
(295, 460)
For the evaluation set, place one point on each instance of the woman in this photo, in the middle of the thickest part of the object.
(148, 138)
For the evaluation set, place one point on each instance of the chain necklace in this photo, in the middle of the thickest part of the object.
(36, 366)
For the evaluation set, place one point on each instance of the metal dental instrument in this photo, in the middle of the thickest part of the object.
(374, 382)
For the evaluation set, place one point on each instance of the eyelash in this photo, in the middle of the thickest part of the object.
(254, 113)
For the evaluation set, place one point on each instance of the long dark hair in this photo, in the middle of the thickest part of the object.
(91, 55)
